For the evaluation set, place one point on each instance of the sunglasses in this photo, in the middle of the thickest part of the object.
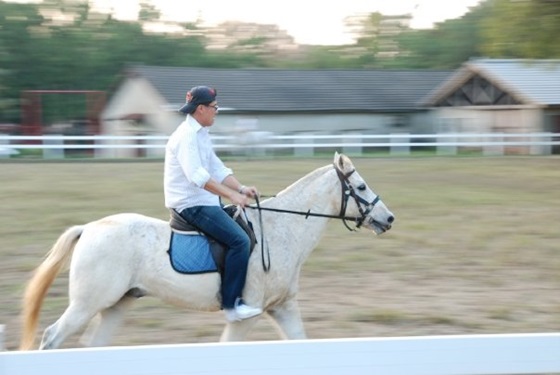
(215, 106)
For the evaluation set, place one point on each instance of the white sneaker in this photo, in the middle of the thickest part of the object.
(241, 311)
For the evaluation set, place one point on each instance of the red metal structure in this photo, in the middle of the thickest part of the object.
(32, 109)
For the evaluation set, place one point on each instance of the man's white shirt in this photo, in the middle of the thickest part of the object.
(190, 161)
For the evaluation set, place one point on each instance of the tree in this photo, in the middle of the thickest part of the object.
(8, 106)
(87, 51)
(148, 12)
(521, 29)
(18, 22)
(446, 46)
(368, 38)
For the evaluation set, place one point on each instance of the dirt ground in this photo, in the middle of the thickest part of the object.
(474, 249)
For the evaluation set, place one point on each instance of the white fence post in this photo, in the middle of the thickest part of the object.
(496, 149)
(153, 151)
(444, 147)
(304, 151)
(4, 147)
(53, 152)
(2, 327)
(400, 144)
(352, 150)
(547, 148)
(540, 148)
(101, 151)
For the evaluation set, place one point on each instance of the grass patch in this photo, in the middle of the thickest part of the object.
(397, 317)
(389, 317)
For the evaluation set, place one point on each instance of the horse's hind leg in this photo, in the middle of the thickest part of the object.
(83, 307)
(74, 318)
(101, 330)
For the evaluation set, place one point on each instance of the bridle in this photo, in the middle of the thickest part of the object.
(347, 192)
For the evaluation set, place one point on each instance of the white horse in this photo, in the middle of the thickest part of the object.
(122, 257)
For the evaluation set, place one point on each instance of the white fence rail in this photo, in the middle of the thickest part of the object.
(432, 355)
(54, 146)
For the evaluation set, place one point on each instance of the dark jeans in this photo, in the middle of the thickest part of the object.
(215, 222)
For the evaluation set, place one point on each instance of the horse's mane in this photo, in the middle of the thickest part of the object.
(307, 179)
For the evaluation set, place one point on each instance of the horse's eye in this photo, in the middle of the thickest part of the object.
(362, 187)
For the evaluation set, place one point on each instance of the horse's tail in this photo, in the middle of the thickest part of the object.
(57, 258)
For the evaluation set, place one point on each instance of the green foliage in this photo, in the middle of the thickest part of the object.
(148, 12)
(7, 106)
(370, 39)
(457, 41)
(521, 29)
(86, 51)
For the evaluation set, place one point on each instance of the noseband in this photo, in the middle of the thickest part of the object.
(347, 192)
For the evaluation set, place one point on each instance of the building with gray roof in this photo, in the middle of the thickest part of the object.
(482, 96)
(496, 95)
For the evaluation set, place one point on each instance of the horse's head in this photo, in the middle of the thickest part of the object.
(358, 200)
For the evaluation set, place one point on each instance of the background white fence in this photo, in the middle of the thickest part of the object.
(259, 143)
(433, 355)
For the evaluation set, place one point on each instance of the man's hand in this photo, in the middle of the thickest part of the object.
(239, 199)
(249, 191)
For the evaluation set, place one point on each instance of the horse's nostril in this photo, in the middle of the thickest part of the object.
(390, 219)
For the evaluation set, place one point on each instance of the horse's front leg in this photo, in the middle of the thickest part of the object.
(288, 320)
(238, 331)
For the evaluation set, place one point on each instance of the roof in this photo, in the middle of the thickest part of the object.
(529, 81)
(279, 90)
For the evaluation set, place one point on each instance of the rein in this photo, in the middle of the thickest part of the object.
(347, 192)
(266, 265)
(305, 213)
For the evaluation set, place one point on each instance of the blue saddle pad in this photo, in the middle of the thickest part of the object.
(191, 254)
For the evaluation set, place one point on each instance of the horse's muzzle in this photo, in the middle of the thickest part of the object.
(379, 227)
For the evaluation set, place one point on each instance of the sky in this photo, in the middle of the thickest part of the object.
(308, 21)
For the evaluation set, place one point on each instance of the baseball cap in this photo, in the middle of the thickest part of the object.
(196, 96)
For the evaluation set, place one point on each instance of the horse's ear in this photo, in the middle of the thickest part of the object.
(338, 160)
(342, 161)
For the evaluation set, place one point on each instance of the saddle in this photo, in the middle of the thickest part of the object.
(217, 249)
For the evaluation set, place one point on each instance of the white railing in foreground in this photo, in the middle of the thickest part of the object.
(303, 144)
(432, 355)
